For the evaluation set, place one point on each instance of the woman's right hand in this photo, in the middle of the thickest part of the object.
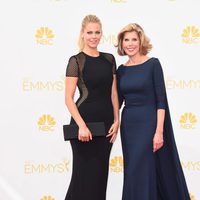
(84, 134)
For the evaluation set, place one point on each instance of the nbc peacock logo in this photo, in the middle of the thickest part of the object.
(46, 123)
(192, 197)
(44, 36)
(58, 0)
(188, 120)
(190, 35)
(116, 164)
(118, 1)
(47, 198)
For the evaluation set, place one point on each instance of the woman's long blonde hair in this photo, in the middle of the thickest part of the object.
(87, 19)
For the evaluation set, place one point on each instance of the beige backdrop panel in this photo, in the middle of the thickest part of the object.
(37, 39)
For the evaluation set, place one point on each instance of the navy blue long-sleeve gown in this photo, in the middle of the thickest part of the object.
(147, 175)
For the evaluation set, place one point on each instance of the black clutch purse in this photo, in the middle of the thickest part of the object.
(96, 128)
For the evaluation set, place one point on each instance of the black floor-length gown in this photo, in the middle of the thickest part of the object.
(91, 159)
(147, 175)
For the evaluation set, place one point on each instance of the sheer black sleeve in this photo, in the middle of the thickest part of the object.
(72, 67)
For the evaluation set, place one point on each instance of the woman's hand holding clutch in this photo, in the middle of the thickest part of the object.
(84, 134)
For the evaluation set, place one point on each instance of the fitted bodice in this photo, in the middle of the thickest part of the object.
(139, 85)
(95, 78)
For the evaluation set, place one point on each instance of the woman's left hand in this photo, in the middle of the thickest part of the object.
(158, 141)
(113, 131)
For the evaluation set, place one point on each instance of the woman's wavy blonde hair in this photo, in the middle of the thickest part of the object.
(87, 19)
(145, 45)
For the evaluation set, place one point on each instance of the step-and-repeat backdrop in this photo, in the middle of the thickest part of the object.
(37, 37)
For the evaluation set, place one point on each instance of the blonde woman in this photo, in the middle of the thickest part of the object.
(94, 73)
(152, 170)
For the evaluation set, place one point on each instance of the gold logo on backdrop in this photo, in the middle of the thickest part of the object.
(29, 85)
(188, 121)
(118, 1)
(58, 0)
(191, 165)
(108, 39)
(182, 84)
(47, 198)
(44, 36)
(192, 197)
(46, 123)
(190, 35)
(40, 168)
(116, 164)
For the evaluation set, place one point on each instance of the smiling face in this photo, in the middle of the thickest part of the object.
(131, 43)
(91, 35)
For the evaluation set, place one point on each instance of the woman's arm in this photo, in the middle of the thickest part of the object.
(160, 121)
(158, 136)
(120, 96)
(160, 92)
(114, 97)
(70, 87)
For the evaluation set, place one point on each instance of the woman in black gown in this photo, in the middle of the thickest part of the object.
(94, 74)
(152, 170)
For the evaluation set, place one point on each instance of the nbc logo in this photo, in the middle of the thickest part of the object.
(118, 1)
(116, 164)
(190, 35)
(188, 121)
(44, 36)
(192, 197)
(58, 0)
(47, 198)
(46, 123)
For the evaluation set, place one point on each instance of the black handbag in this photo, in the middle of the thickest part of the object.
(96, 128)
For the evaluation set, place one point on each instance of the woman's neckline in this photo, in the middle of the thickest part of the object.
(91, 56)
(137, 65)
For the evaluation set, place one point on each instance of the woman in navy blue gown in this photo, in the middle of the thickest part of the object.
(152, 169)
